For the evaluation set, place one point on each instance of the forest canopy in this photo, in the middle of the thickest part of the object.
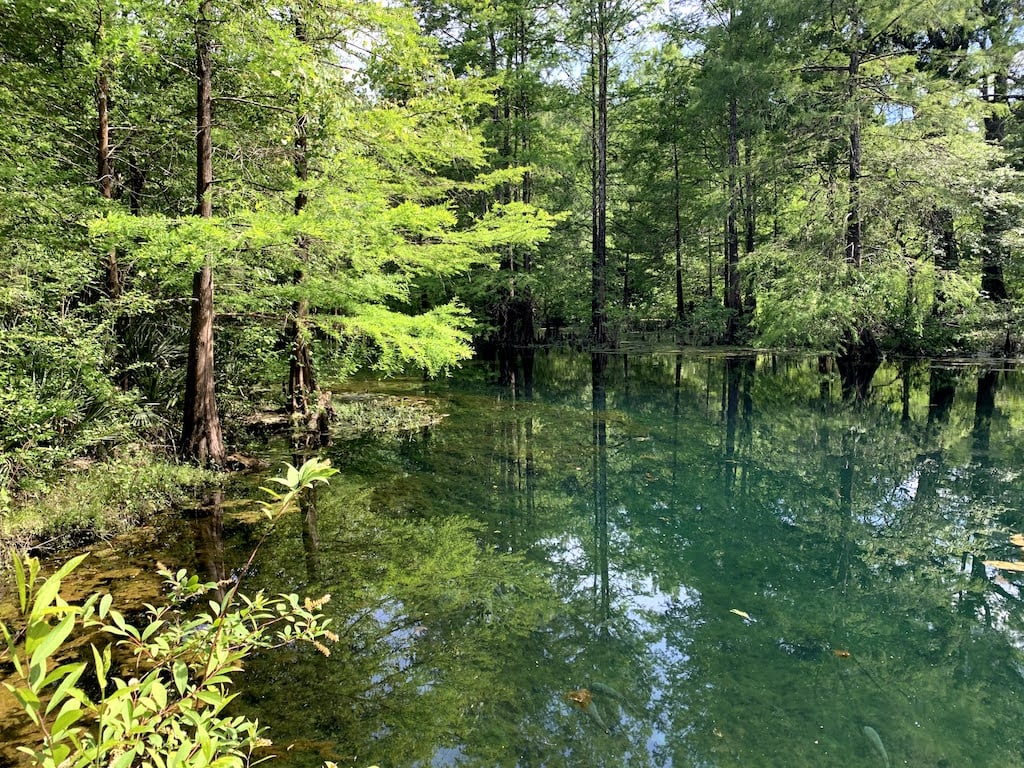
(211, 207)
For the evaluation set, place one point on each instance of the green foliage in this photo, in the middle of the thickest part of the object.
(153, 694)
(384, 170)
(56, 400)
(97, 499)
(392, 169)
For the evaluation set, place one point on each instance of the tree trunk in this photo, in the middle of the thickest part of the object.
(853, 222)
(599, 152)
(527, 306)
(625, 284)
(513, 308)
(860, 355)
(992, 252)
(733, 300)
(749, 221)
(201, 433)
(104, 173)
(677, 234)
(524, 112)
(104, 163)
(749, 208)
(303, 400)
(301, 372)
(947, 258)
(105, 179)
(204, 117)
(136, 181)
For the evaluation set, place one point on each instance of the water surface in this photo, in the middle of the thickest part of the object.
(665, 560)
(659, 561)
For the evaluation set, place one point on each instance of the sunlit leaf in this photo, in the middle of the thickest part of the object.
(52, 641)
(51, 587)
(105, 603)
(180, 672)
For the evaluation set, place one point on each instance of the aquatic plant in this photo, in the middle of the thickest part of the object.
(155, 694)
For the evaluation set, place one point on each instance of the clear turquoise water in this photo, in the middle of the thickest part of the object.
(733, 560)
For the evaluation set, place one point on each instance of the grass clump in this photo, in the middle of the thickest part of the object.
(96, 499)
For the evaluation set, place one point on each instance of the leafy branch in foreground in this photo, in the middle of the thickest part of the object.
(161, 702)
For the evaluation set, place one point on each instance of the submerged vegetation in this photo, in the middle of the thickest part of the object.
(360, 413)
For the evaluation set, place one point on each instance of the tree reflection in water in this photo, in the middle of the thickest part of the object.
(737, 559)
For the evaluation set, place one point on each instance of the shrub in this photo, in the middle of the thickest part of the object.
(165, 706)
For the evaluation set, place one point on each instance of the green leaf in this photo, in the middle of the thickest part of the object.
(53, 640)
(29, 702)
(37, 631)
(118, 619)
(51, 587)
(180, 672)
(179, 757)
(159, 694)
(19, 575)
(205, 742)
(59, 753)
(70, 714)
(12, 649)
(124, 760)
(102, 664)
(70, 673)
(152, 628)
